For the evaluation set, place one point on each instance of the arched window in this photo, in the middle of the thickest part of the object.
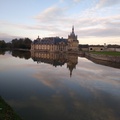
(91, 49)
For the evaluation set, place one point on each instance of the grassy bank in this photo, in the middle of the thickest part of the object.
(6, 112)
(106, 53)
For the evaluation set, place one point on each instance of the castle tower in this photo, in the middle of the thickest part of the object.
(72, 35)
(72, 41)
(73, 29)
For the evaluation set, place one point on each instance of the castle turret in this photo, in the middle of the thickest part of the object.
(72, 41)
(73, 29)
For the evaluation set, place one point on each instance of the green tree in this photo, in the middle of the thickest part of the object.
(21, 43)
(15, 43)
(2, 44)
(27, 43)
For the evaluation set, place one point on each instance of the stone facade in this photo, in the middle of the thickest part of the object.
(96, 48)
(56, 44)
(83, 47)
(86, 47)
(113, 48)
(72, 41)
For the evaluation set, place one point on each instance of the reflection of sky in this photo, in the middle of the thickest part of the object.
(43, 90)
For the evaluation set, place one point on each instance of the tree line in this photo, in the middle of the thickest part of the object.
(21, 43)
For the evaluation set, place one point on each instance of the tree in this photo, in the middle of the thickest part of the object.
(9, 45)
(2, 44)
(21, 43)
(14, 43)
(27, 43)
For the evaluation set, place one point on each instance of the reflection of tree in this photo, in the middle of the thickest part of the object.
(21, 54)
(56, 59)
(2, 52)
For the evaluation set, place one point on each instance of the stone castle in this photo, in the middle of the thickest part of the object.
(56, 44)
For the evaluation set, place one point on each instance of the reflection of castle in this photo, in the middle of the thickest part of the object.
(56, 59)
(56, 44)
(72, 61)
(50, 58)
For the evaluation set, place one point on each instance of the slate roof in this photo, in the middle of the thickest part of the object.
(113, 46)
(50, 40)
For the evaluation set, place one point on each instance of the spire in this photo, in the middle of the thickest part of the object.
(72, 29)
(38, 38)
(70, 73)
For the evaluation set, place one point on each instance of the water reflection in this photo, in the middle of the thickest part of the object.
(21, 54)
(2, 52)
(56, 59)
(45, 91)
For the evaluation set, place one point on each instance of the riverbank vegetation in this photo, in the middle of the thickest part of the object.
(6, 112)
(111, 53)
(21, 43)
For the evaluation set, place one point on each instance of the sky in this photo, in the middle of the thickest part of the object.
(94, 21)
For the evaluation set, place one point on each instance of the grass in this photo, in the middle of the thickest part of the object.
(106, 53)
(6, 112)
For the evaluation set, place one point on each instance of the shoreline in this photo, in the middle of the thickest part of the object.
(6, 112)
(109, 58)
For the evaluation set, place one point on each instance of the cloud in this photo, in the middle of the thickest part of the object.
(76, 1)
(69, 1)
(84, 27)
(107, 3)
(99, 32)
(99, 27)
(7, 37)
(57, 21)
(51, 14)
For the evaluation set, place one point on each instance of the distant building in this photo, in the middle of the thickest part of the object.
(96, 48)
(56, 44)
(86, 47)
(113, 48)
(83, 47)
(104, 48)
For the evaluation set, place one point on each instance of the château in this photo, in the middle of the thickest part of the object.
(56, 44)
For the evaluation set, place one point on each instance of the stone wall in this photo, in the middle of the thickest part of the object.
(104, 57)
(93, 48)
(113, 49)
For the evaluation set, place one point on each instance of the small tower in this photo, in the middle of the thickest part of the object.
(72, 35)
(38, 39)
(72, 29)
(72, 41)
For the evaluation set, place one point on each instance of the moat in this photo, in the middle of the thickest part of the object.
(44, 86)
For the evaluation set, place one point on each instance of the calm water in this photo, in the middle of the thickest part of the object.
(44, 86)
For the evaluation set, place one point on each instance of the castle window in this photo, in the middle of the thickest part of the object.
(91, 49)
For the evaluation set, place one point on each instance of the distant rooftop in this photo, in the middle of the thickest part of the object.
(50, 40)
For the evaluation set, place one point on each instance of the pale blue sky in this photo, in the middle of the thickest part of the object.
(95, 21)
